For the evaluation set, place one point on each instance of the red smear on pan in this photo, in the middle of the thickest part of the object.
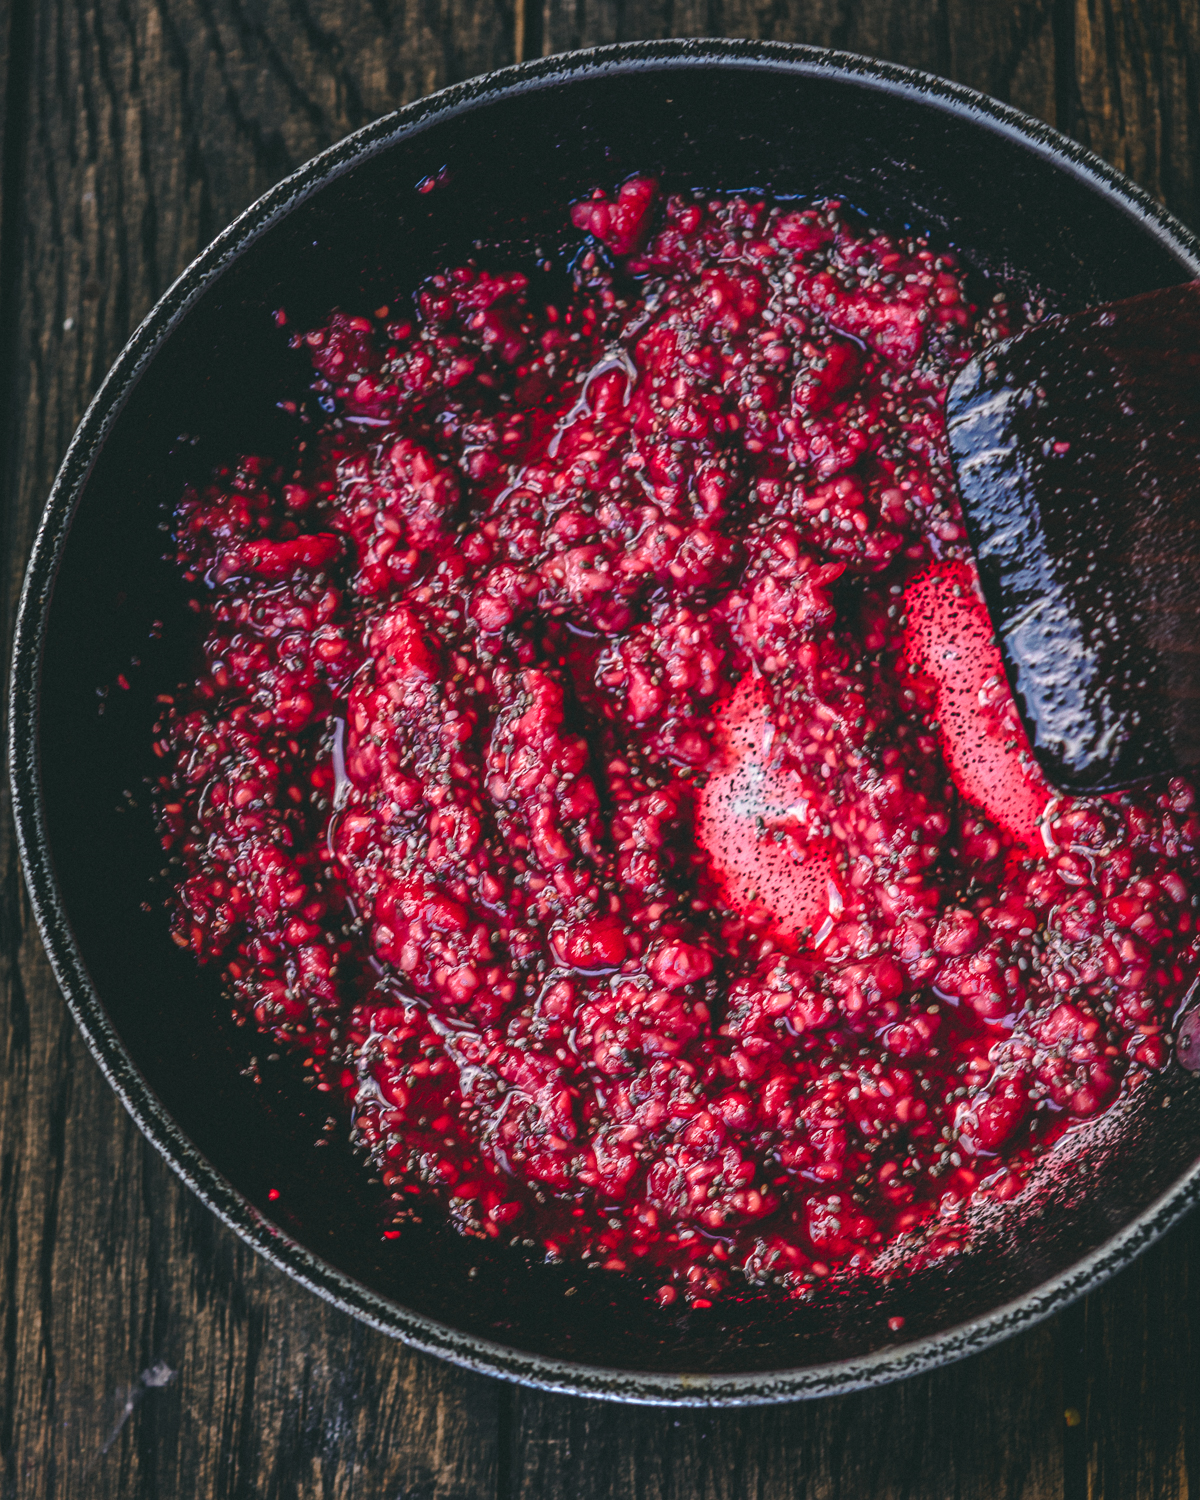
(751, 814)
(751, 821)
(949, 639)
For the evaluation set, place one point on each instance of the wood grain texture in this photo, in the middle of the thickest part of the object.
(146, 1351)
(1138, 64)
(1141, 1355)
(990, 1427)
(143, 1350)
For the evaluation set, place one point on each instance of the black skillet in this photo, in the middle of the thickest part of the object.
(1024, 205)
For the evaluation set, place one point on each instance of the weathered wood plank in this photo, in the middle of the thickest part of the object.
(1006, 50)
(145, 1351)
(1136, 100)
(1141, 1424)
(1138, 65)
(985, 1428)
(911, 31)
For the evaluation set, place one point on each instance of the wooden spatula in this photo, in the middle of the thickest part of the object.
(1076, 446)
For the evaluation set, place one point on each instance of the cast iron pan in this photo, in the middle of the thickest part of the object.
(201, 378)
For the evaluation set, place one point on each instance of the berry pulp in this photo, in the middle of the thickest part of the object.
(601, 774)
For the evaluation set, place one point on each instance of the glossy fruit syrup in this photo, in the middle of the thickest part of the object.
(602, 774)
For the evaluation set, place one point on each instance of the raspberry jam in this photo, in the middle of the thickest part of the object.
(602, 775)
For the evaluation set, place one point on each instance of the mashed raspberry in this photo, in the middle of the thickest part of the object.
(601, 771)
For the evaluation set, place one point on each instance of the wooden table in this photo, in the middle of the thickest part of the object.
(144, 1350)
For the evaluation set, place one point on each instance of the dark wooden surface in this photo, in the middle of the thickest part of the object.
(143, 1350)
